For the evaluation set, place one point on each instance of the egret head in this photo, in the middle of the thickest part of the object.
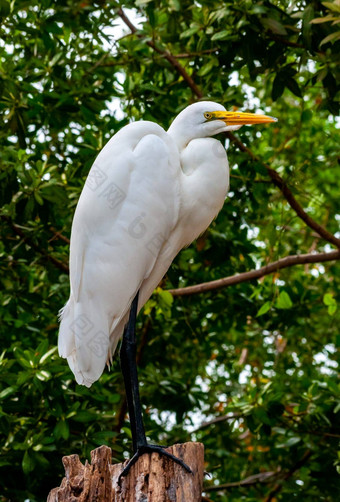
(207, 118)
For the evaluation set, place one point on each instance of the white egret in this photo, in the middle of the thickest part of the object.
(148, 194)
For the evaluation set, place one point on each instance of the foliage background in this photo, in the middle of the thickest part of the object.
(249, 370)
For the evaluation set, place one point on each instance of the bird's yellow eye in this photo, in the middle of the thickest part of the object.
(208, 115)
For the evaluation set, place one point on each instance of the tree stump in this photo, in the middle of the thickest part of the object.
(153, 478)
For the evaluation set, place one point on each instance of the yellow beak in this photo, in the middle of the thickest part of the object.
(239, 118)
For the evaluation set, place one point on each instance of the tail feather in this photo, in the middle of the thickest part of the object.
(84, 340)
(66, 344)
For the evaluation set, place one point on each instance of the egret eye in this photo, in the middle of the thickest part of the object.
(208, 115)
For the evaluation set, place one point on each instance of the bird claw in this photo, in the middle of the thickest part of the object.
(151, 448)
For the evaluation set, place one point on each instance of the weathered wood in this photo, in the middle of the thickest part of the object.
(153, 478)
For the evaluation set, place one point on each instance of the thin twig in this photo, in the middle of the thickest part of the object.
(261, 477)
(288, 261)
(216, 420)
(97, 63)
(264, 477)
(296, 45)
(193, 54)
(284, 41)
(59, 235)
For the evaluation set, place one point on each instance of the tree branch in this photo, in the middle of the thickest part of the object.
(261, 477)
(265, 477)
(193, 54)
(284, 41)
(287, 193)
(276, 178)
(288, 261)
(277, 488)
(323, 232)
(58, 235)
(97, 63)
(216, 420)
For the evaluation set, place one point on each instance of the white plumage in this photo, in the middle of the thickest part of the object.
(148, 194)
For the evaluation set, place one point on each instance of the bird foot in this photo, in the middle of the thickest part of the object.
(151, 448)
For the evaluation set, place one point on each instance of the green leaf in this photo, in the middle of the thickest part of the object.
(307, 32)
(334, 6)
(293, 86)
(28, 463)
(4, 462)
(190, 31)
(104, 437)
(166, 298)
(258, 9)
(47, 355)
(43, 375)
(278, 87)
(332, 309)
(84, 416)
(283, 301)
(264, 309)
(205, 69)
(127, 431)
(175, 5)
(333, 37)
(292, 441)
(21, 153)
(306, 115)
(274, 26)
(38, 198)
(325, 19)
(5, 8)
(67, 33)
(61, 430)
(7, 392)
(141, 3)
(221, 35)
(328, 299)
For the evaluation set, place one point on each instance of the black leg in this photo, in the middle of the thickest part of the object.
(129, 370)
